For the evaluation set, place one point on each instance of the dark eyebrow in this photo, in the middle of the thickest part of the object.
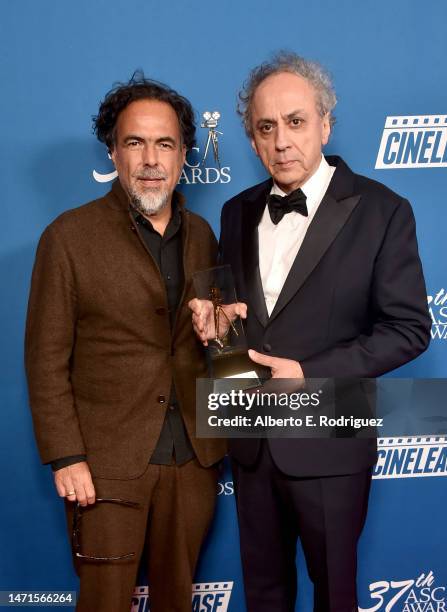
(133, 137)
(167, 139)
(265, 120)
(287, 117)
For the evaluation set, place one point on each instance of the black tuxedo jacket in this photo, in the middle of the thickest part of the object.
(353, 305)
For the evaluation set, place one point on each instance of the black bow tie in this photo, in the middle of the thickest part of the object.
(280, 206)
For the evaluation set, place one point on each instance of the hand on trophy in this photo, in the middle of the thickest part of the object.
(207, 325)
(279, 366)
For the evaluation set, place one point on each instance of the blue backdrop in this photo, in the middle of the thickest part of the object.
(57, 61)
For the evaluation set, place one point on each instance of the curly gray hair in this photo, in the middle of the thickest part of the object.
(285, 61)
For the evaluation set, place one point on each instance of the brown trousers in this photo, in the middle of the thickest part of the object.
(176, 508)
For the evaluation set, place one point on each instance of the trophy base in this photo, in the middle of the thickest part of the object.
(234, 364)
(233, 371)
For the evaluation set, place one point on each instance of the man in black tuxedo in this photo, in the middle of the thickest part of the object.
(328, 266)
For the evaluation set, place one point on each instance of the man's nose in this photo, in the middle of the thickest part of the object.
(281, 137)
(150, 155)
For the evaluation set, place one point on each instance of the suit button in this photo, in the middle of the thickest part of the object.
(171, 407)
(267, 347)
(161, 399)
(160, 311)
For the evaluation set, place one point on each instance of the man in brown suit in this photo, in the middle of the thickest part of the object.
(112, 359)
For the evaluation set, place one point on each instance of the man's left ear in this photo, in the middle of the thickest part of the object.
(253, 146)
(326, 129)
(112, 155)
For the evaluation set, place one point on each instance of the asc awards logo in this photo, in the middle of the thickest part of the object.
(206, 597)
(417, 141)
(198, 168)
(421, 594)
(411, 457)
(437, 304)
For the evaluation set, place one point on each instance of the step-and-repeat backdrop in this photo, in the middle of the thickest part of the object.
(57, 61)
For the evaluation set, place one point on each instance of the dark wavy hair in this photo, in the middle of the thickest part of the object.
(140, 88)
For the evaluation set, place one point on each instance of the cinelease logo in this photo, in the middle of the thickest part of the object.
(413, 141)
(206, 597)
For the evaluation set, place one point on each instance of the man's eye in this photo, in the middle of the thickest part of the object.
(266, 128)
(132, 144)
(296, 122)
(166, 145)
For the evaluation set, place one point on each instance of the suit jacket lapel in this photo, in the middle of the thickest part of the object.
(253, 208)
(332, 214)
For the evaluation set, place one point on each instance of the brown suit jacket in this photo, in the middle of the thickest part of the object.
(99, 351)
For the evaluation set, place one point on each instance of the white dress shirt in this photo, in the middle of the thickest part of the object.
(279, 244)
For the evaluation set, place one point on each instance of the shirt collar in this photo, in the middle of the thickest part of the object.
(174, 222)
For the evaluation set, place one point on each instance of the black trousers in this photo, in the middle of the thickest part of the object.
(274, 510)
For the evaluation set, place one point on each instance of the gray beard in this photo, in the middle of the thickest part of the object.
(149, 203)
